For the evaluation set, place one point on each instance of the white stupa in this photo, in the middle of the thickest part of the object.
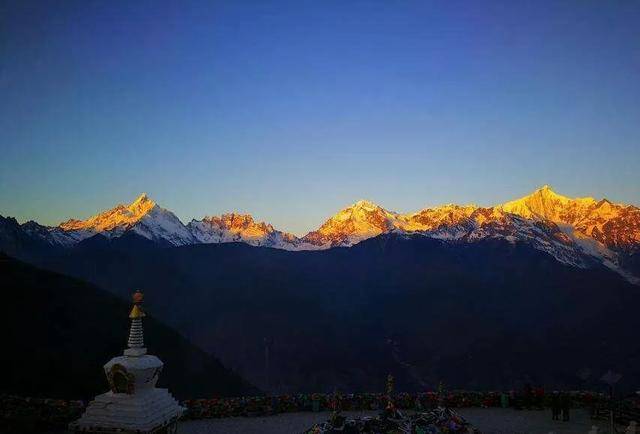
(134, 404)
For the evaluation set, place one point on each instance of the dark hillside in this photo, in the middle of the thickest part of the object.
(59, 331)
(484, 315)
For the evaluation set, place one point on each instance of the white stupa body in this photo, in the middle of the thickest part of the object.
(133, 404)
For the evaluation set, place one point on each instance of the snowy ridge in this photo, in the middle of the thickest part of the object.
(580, 232)
(143, 217)
(353, 224)
(241, 228)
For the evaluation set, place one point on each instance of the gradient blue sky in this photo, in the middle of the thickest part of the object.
(292, 110)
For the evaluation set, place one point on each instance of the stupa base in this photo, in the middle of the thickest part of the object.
(148, 411)
(170, 428)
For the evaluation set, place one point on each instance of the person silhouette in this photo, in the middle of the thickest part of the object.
(566, 406)
(555, 405)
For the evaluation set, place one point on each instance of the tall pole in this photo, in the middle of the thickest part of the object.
(267, 344)
(611, 409)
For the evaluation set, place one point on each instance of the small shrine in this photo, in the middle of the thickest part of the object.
(134, 404)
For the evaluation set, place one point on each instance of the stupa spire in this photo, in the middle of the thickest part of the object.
(136, 334)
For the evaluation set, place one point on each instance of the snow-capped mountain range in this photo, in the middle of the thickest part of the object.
(580, 232)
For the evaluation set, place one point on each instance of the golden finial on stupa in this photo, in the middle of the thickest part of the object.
(136, 311)
(137, 297)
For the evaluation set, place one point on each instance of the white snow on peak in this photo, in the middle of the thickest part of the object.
(118, 217)
(575, 231)
(234, 227)
(366, 205)
(143, 216)
(160, 224)
(545, 203)
(360, 221)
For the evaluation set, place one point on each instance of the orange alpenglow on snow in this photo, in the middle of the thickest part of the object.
(362, 220)
(574, 231)
(121, 215)
(614, 225)
(610, 224)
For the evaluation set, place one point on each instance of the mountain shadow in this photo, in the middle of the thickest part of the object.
(486, 315)
(58, 331)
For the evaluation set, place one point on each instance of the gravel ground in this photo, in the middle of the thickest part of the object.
(284, 423)
(509, 421)
(489, 421)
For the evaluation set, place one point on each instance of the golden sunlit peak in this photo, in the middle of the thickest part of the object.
(546, 187)
(120, 216)
(141, 199)
(141, 205)
(546, 190)
(363, 203)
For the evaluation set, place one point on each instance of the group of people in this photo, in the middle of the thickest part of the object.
(560, 406)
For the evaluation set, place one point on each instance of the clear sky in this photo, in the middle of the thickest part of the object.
(292, 110)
